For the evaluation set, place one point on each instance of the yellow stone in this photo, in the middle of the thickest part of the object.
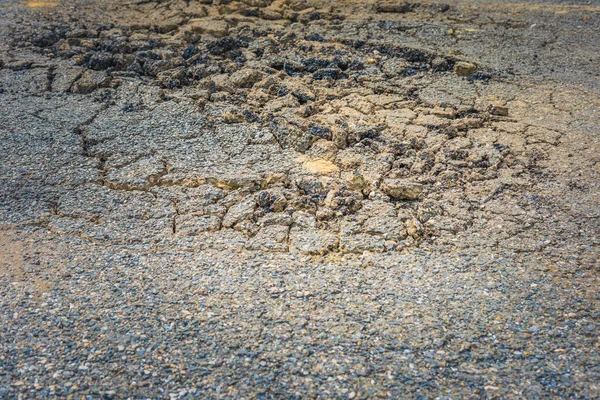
(319, 166)
(39, 4)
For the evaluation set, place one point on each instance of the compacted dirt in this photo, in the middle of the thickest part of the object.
(299, 199)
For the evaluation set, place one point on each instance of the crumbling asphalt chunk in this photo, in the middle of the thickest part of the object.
(256, 198)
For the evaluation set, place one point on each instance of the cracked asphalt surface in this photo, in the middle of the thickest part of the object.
(299, 199)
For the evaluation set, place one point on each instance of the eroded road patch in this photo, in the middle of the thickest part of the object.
(285, 178)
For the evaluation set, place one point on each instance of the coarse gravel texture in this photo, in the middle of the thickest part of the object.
(299, 199)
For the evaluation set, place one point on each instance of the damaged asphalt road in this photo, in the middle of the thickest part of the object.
(280, 199)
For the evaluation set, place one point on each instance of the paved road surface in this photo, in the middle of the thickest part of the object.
(299, 199)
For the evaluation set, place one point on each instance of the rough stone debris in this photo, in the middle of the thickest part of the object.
(298, 199)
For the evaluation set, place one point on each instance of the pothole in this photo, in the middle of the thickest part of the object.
(285, 129)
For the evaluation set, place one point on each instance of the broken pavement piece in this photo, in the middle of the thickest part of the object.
(215, 28)
(312, 241)
(402, 189)
(463, 68)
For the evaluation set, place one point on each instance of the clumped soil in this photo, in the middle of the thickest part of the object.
(338, 199)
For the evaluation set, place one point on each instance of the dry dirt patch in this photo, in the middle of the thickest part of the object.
(13, 265)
